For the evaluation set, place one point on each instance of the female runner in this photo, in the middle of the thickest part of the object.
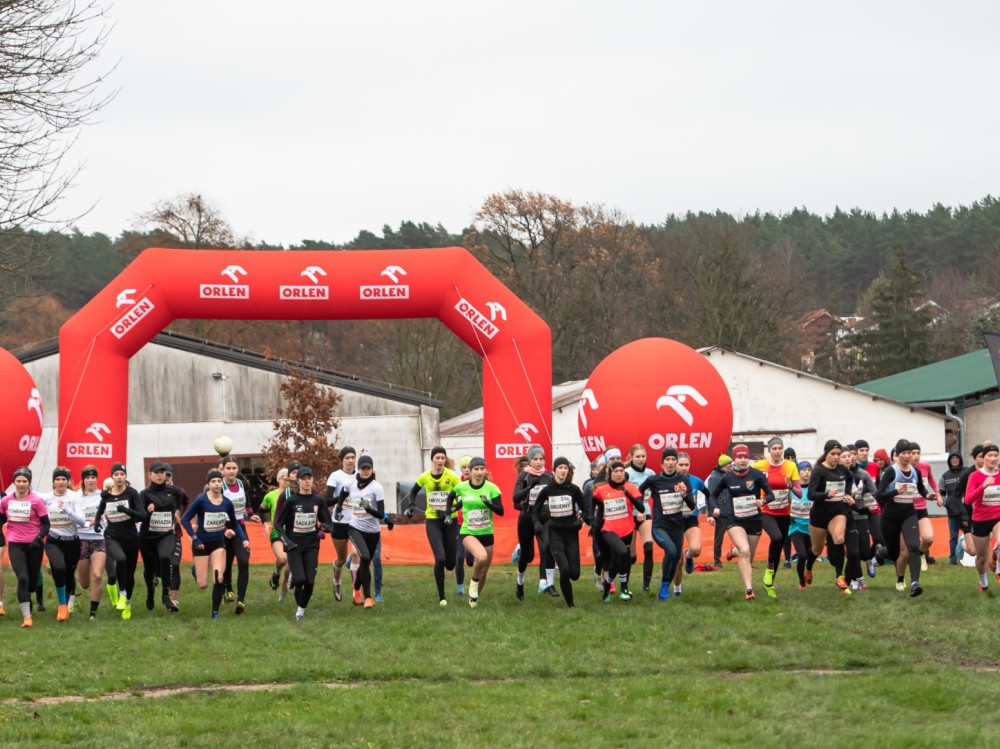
(637, 471)
(121, 507)
(783, 476)
(983, 492)
(830, 491)
(618, 506)
(559, 506)
(367, 510)
(479, 501)
(668, 492)
(90, 568)
(27, 525)
(62, 545)
(531, 477)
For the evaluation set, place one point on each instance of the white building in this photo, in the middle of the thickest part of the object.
(768, 400)
(184, 392)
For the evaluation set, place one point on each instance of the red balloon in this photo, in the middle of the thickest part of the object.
(21, 426)
(658, 393)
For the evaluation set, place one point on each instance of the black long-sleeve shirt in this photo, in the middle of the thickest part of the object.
(122, 511)
(666, 499)
(560, 505)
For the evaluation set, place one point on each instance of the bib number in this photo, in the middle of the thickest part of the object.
(478, 520)
(744, 507)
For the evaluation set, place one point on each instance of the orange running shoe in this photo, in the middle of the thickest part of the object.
(2, 612)
(26, 624)
(369, 603)
(62, 613)
(809, 577)
(357, 597)
(842, 582)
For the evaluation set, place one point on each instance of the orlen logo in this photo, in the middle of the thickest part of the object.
(478, 319)
(314, 292)
(528, 432)
(675, 398)
(137, 309)
(99, 449)
(396, 290)
(30, 442)
(236, 290)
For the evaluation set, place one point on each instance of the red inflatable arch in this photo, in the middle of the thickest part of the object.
(164, 285)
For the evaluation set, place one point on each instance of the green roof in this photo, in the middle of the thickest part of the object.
(951, 379)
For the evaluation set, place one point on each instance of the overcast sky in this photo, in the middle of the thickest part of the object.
(314, 120)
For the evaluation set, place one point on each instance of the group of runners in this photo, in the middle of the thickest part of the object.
(863, 513)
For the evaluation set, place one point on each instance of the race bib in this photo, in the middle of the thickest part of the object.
(19, 510)
(780, 501)
(561, 507)
(437, 501)
(215, 521)
(477, 520)
(869, 501)
(991, 496)
(906, 492)
(671, 502)
(801, 507)
(615, 509)
(239, 505)
(161, 521)
(90, 513)
(533, 494)
(837, 487)
(304, 522)
(744, 507)
(59, 519)
(114, 512)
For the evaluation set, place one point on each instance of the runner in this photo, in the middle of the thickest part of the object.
(235, 492)
(798, 528)
(723, 502)
(269, 511)
(336, 484)
(216, 521)
(749, 491)
(983, 492)
(27, 525)
(618, 507)
(90, 568)
(920, 504)
(968, 545)
(637, 472)
(830, 491)
(954, 504)
(783, 477)
(559, 506)
(367, 510)
(177, 552)
(121, 507)
(479, 501)
(156, 535)
(898, 487)
(692, 529)
(531, 477)
(864, 510)
(442, 536)
(668, 492)
(62, 544)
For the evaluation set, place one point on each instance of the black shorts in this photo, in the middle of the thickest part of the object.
(691, 521)
(340, 531)
(983, 528)
(753, 526)
(822, 513)
(485, 540)
(209, 547)
(922, 514)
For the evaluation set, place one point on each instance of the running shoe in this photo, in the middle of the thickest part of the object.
(26, 624)
(664, 594)
(473, 602)
(689, 563)
(598, 583)
(215, 616)
(731, 554)
(2, 612)
(677, 591)
(516, 556)
(842, 582)
(72, 607)
(122, 602)
(551, 592)
(282, 595)
(607, 597)
(809, 577)
(998, 577)
(169, 603)
(846, 591)
(915, 589)
(127, 612)
(369, 603)
(923, 563)
(459, 591)
(443, 603)
(378, 597)
(357, 597)
(802, 586)
(474, 589)
(626, 594)
(930, 559)
(230, 596)
(542, 587)
(871, 567)
(298, 616)
(274, 580)
(41, 605)
(62, 613)
(338, 594)
(519, 592)
(612, 587)
(854, 585)
(786, 564)
(793, 558)
(240, 608)
(900, 587)
(749, 595)
(769, 589)
(862, 585)
(984, 588)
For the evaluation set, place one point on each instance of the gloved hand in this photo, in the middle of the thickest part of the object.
(326, 527)
(578, 523)
(409, 511)
(338, 513)
(388, 523)
(364, 505)
(289, 544)
(539, 528)
(448, 519)
(37, 542)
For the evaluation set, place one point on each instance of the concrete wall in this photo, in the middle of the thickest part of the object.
(982, 424)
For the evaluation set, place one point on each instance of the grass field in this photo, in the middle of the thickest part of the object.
(814, 668)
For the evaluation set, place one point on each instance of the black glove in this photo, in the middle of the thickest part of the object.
(539, 528)
(338, 513)
(364, 505)
(290, 545)
(578, 523)
(37, 542)
(448, 519)
(327, 527)
(342, 497)
(388, 523)
(409, 511)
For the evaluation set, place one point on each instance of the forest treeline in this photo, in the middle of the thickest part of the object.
(599, 280)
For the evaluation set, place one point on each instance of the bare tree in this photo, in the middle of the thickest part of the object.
(190, 221)
(47, 94)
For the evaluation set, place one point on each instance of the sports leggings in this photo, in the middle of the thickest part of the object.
(892, 527)
(235, 550)
(526, 536)
(776, 528)
(671, 541)
(64, 555)
(302, 562)
(122, 557)
(366, 544)
(847, 553)
(864, 537)
(26, 561)
(157, 560)
(803, 548)
(443, 540)
(620, 559)
(564, 543)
